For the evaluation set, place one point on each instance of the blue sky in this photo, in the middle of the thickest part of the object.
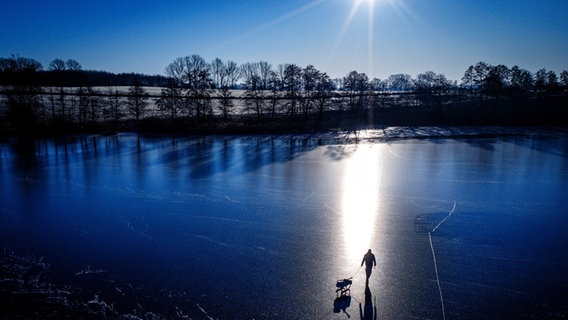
(336, 36)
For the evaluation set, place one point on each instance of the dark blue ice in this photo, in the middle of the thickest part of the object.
(262, 227)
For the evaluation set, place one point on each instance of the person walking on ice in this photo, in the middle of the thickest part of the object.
(370, 262)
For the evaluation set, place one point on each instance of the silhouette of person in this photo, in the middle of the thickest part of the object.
(370, 262)
(369, 312)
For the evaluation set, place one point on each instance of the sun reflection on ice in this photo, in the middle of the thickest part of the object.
(360, 200)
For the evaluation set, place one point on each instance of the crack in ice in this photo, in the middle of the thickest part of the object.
(435, 262)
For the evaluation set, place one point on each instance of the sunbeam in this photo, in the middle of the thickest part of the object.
(277, 21)
(370, 35)
(346, 25)
(397, 6)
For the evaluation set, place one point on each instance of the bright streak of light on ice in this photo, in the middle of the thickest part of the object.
(360, 200)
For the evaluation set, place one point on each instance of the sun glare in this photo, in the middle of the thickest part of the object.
(371, 7)
(360, 200)
(370, 4)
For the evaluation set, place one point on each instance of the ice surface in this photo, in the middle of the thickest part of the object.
(262, 227)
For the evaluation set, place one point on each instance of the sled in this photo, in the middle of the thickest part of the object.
(343, 287)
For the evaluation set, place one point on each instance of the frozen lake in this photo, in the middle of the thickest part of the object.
(262, 227)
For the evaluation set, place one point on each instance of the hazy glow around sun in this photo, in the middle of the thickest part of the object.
(372, 7)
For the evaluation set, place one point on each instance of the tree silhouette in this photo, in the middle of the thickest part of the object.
(64, 93)
(521, 80)
(356, 84)
(400, 82)
(253, 85)
(432, 87)
(193, 73)
(292, 85)
(171, 100)
(57, 65)
(564, 78)
(113, 110)
(310, 78)
(137, 99)
(73, 65)
(229, 75)
(324, 87)
(497, 79)
(275, 84)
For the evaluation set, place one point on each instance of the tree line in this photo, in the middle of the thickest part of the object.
(203, 94)
(16, 70)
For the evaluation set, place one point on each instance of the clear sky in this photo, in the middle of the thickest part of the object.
(379, 37)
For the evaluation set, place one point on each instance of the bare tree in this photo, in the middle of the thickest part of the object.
(498, 78)
(249, 71)
(541, 79)
(73, 65)
(94, 106)
(254, 94)
(564, 78)
(378, 85)
(292, 84)
(137, 99)
(113, 106)
(425, 81)
(357, 85)
(275, 84)
(310, 77)
(467, 79)
(521, 79)
(83, 105)
(551, 80)
(432, 87)
(197, 72)
(171, 100)
(324, 87)
(475, 78)
(24, 96)
(52, 98)
(199, 85)
(176, 70)
(400, 82)
(264, 69)
(218, 72)
(232, 72)
(193, 73)
(57, 65)
(228, 80)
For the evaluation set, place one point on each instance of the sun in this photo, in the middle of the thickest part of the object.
(370, 4)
